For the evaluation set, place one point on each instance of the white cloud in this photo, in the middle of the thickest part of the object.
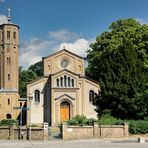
(143, 21)
(3, 19)
(2, 0)
(33, 51)
(63, 35)
(79, 46)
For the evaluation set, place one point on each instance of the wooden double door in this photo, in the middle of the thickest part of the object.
(64, 111)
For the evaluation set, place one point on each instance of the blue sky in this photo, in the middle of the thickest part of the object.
(46, 24)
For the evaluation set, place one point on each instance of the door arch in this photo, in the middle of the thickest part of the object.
(64, 111)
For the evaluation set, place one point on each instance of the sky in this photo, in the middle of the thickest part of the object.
(47, 26)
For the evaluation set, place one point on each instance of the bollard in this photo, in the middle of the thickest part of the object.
(141, 140)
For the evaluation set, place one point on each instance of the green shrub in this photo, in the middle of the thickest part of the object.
(80, 120)
(107, 119)
(7, 122)
(138, 127)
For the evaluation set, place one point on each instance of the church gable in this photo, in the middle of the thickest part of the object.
(63, 59)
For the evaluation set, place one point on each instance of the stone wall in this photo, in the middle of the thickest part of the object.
(23, 133)
(4, 132)
(96, 131)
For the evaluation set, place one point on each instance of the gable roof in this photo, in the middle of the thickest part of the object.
(66, 71)
(63, 51)
(66, 96)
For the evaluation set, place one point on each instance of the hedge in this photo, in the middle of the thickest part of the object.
(138, 127)
(7, 122)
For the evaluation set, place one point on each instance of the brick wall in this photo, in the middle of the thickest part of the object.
(96, 131)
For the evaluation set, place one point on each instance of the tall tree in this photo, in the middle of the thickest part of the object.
(37, 68)
(25, 76)
(119, 60)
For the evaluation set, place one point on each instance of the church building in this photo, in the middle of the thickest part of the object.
(63, 92)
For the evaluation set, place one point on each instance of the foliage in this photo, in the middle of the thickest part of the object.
(80, 121)
(138, 127)
(119, 61)
(6, 122)
(25, 76)
(107, 119)
(37, 68)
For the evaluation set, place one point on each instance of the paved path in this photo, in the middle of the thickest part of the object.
(72, 144)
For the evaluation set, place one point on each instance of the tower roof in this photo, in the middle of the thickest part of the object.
(9, 19)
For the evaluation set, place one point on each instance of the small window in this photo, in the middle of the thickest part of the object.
(14, 35)
(65, 81)
(48, 67)
(68, 81)
(8, 101)
(57, 82)
(37, 96)
(8, 60)
(20, 104)
(61, 80)
(72, 81)
(79, 67)
(9, 77)
(8, 116)
(8, 34)
(91, 95)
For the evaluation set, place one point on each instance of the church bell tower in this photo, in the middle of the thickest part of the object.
(9, 56)
(9, 95)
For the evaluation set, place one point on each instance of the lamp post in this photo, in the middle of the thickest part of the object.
(30, 99)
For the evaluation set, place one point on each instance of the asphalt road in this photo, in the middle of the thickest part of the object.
(72, 144)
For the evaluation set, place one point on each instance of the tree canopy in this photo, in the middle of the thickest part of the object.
(37, 68)
(119, 61)
(26, 76)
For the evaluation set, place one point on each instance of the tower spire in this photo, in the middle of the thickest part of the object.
(9, 15)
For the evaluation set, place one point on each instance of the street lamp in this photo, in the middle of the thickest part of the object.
(30, 97)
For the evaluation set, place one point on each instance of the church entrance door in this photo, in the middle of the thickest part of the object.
(64, 111)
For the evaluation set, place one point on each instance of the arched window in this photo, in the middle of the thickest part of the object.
(8, 76)
(8, 60)
(65, 81)
(8, 101)
(91, 95)
(57, 82)
(68, 81)
(61, 79)
(14, 35)
(8, 34)
(37, 96)
(8, 116)
(72, 81)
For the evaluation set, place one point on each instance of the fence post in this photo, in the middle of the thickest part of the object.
(45, 132)
(64, 129)
(125, 129)
(96, 131)
(11, 131)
